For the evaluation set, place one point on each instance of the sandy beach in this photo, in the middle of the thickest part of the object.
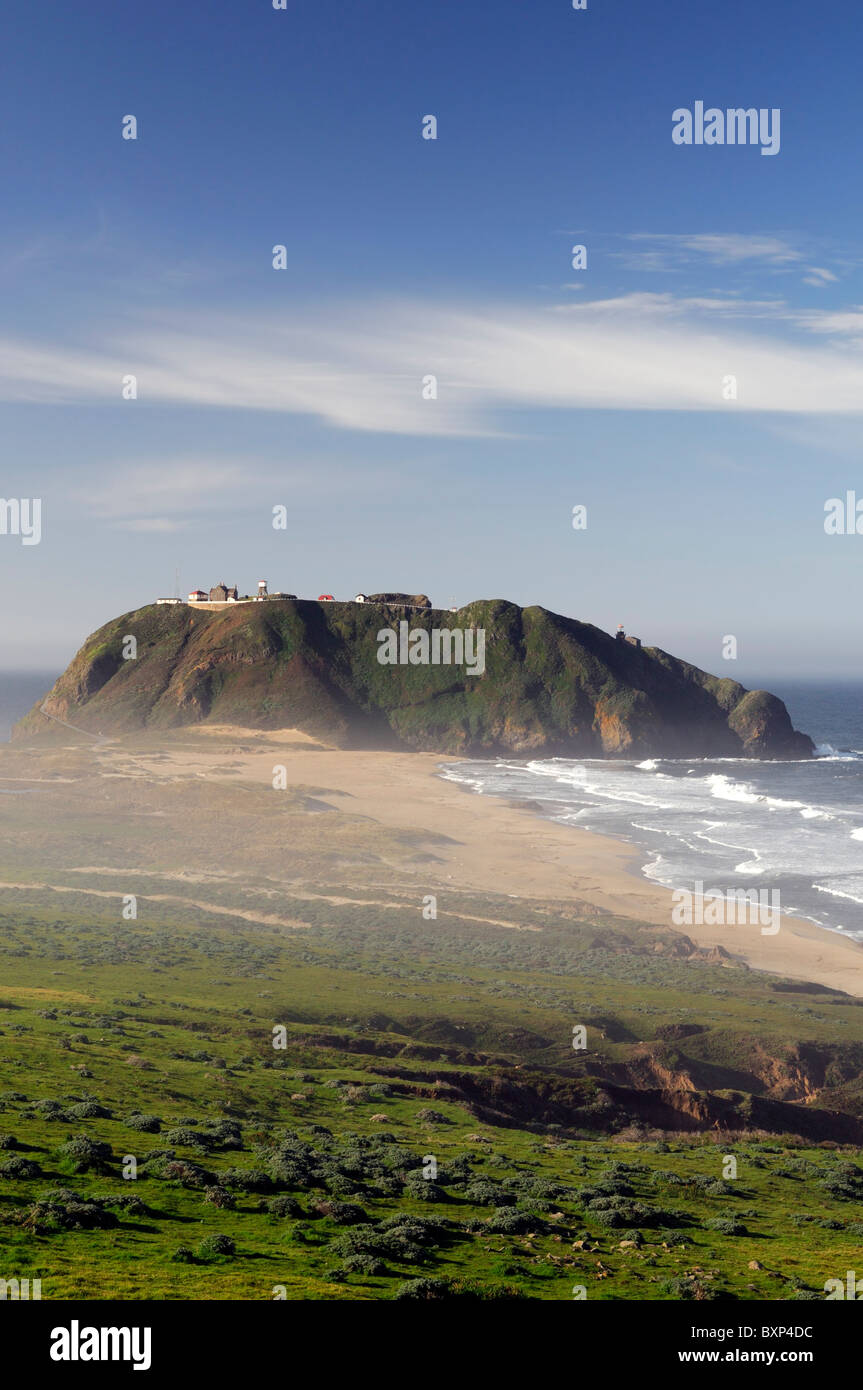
(505, 848)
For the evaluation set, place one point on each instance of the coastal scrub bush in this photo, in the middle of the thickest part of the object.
(505, 1221)
(359, 1240)
(423, 1189)
(88, 1110)
(614, 1212)
(164, 1165)
(364, 1264)
(247, 1179)
(543, 1187)
(725, 1226)
(845, 1182)
(340, 1186)
(455, 1172)
(688, 1288)
(427, 1289)
(611, 1188)
(185, 1138)
(387, 1187)
(219, 1197)
(222, 1134)
(128, 1202)
(406, 1238)
(488, 1194)
(288, 1171)
(68, 1212)
(713, 1187)
(536, 1206)
(395, 1244)
(81, 1154)
(343, 1213)
(50, 1109)
(215, 1245)
(18, 1167)
(284, 1206)
(146, 1124)
(351, 1095)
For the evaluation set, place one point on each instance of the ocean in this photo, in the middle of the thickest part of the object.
(728, 823)
(19, 691)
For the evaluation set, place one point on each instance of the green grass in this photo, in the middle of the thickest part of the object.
(157, 1047)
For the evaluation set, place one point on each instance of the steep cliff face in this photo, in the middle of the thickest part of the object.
(550, 684)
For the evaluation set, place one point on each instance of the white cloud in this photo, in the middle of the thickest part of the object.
(664, 250)
(164, 495)
(362, 368)
(150, 489)
(819, 276)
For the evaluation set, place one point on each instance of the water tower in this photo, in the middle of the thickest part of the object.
(262, 588)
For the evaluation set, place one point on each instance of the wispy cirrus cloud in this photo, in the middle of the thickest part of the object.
(819, 276)
(147, 490)
(675, 251)
(162, 495)
(719, 248)
(362, 367)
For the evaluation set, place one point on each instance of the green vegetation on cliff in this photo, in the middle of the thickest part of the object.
(551, 684)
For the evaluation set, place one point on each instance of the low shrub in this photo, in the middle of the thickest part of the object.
(216, 1245)
(18, 1167)
(284, 1206)
(343, 1213)
(88, 1110)
(146, 1124)
(81, 1154)
(726, 1226)
(220, 1197)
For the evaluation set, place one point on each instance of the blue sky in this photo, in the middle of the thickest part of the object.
(409, 257)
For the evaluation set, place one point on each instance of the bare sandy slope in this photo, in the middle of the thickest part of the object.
(498, 847)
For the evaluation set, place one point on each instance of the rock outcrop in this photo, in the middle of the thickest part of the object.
(550, 684)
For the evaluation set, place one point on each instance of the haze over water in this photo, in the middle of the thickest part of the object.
(19, 691)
